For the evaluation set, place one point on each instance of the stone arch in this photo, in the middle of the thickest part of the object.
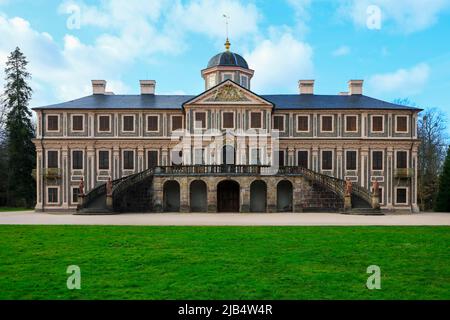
(198, 196)
(228, 196)
(171, 195)
(285, 192)
(258, 196)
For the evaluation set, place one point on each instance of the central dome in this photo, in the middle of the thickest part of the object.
(227, 59)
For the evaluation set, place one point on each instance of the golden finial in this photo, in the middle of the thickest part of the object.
(227, 45)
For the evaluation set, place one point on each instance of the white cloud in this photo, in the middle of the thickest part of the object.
(341, 51)
(301, 12)
(402, 81)
(405, 15)
(279, 63)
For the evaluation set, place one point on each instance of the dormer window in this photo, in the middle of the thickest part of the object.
(227, 76)
(244, 81)
(211, 80)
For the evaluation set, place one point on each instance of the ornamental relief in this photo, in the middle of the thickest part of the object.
(227, 93)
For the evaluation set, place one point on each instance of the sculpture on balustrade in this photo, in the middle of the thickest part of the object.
(376, 188)
(109, 187)
(348, 187)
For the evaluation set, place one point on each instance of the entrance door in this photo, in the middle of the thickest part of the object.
(228, 196)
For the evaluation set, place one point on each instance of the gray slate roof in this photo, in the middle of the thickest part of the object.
(280, 101)
(227, 59)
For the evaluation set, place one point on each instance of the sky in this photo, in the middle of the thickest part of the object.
(400, 48)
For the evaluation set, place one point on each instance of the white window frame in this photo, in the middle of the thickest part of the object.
(123, 123)
(250, 120)
(72, 194)
(182, 121)
(71, 159)
(146, 157)
(71, 122)
(146, 122)
(110, 163)
(407, 123)
(123, 159)
(206, 120)
(407, 158)
(46, 158)
(246, 77)
(332, 160)
(59, 121)
(382, 123)
(284, 122)
(234, 120)
(227, 73)
(98, 123)
(407, 196)
(296, 157)
(211, 80)
(296, 122)
(321, 123)
(371, 160)
(58, 197)
(345, 123)
(357, 160)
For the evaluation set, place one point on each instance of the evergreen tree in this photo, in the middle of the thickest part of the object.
(19, 132)
(443, 197)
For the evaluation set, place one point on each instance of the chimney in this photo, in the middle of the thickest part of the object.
(98, 86)
(355, 87)
(148, 86)
(306, 86)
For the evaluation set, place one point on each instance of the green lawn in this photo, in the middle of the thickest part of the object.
(11, 209)
(224, 262)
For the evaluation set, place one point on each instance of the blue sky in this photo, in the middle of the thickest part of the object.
(405, 53)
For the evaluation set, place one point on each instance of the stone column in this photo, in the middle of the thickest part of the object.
(212, 195)
(140, 166)
(389, 178)
(245, 195)
(272, 195)
(298, 194)
(115, 165)
(158, 195)
(413, 191)
(39, 180)
(65, 176)
(184, 195)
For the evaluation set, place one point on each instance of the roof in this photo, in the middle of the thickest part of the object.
(281, 102)
(227, 59)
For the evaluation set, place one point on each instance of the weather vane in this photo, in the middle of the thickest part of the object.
(227, 43)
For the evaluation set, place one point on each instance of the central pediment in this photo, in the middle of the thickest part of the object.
(228, 92)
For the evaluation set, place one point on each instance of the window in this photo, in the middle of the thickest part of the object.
(52, 159)
(75, 193)
(255, 157)
(211, 80)
(401, 196)
(176, 157)
(77, 123)
(327, 160)
(152, 159)
(402, 124)
(52, 123)
(278, 123)
(255, 120)
(227, 76)
(104, 123)
(327, 123)
(198, 157)
(350, 124)
(402, 159)
(228, 120)
(350, 158)
(103, 160)
(377, 160)
(152, 123)
(302, 159)
(177, 123)
(128, 123)
(200, 120)
(128, 160)
(377, 123)
(281, 158)
(52, 194)
(244, 81)
(302, 123)
(77, 160)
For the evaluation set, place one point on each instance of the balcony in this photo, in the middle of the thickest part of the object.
(51, 173)
(404, 173)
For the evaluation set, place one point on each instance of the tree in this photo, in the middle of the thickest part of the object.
(19, 132)
(443, 197)
(431, 129)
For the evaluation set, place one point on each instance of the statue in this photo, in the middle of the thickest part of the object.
(348, 187)
(81, 187)
(109, 187)
(376, 188)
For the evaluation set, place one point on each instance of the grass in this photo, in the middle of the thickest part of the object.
(12, 209)
(224, 262)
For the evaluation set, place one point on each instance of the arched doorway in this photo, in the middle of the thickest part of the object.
(171, 192)
(228, 155)
(258, 196)
(228, 196)
(284, 196)
(198, 196)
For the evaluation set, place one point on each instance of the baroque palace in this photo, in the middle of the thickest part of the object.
(227, 149)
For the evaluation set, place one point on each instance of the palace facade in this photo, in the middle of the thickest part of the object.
(227, 149)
